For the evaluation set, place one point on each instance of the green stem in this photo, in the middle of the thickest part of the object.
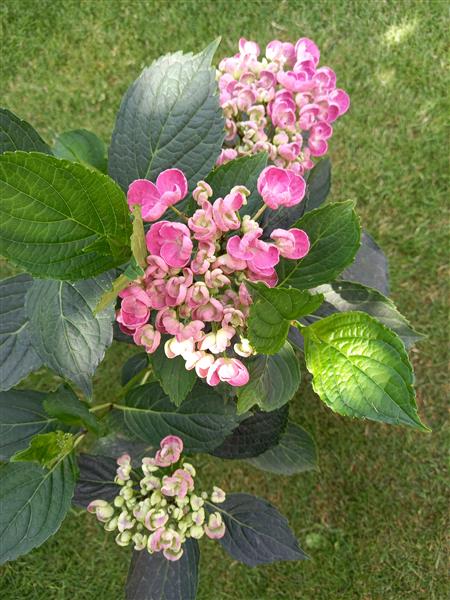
(259, 212)
(179, 213)
(101, 406)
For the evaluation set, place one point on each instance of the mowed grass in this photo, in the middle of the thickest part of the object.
(373, 518)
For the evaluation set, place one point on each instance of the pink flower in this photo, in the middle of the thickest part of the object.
(219, 341)
(197, 294)
(157, 268)
(211, 311)
(167, 322)
(282, 110)
(177, 287)
(291, 244)
(134, 310)
(179, 484)
(156, 293)
(257, 254)
(342, 99)
(148, 337)
(226, 155)
(215, 529)
(170, 188)
(170, 452)
(290, 151)
(225, 209)
(202, 192)
(170, 241)
(280, 187)
(297, 81)
(248, 47)
(319, 133)
(283, 52)
(216, 279)
(202, 222)
(229, 370)
(268, 276)
(193, 330)
(308, 53)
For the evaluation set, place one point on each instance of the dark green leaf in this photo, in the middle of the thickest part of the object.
(95, 479)
(17, 356)
(83, 146)
(203, 421)
(67, 408)
(254, 435)
(21, 417)
(334, 234)
(370, 266)
(46, 449)
(69, 339)
(153, 577)
(271, 314)
(319, 185)
(361, 369)
(241, 171)
(172, 374)
(34, 502)
(134, 365)
(169, 118)
(256, 533)
(346, 296)
(274, 379)
(61, 219)
(294, 453)
(19, 135)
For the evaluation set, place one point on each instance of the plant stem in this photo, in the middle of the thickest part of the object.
(101, 406)
(179, 213)
(259, 212)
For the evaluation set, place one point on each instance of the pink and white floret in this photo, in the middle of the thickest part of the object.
(282, 103)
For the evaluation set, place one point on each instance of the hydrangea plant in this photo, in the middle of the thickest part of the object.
(204, 239)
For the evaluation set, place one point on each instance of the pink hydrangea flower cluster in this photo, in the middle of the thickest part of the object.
(193, 288)
(282, 103)
(161, 510)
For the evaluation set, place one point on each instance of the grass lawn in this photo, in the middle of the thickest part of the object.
(378, 505)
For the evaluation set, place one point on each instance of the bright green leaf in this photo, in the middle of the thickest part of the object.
(60, 219)
(334, 234)
(346, 296)
(65, 406)
(46, 449)
(273, 310)
(361, 369)
(274, 379)
(83, 146)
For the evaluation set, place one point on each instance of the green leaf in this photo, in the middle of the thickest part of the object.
(203, 420)
(169, 118)
(46, 449)
(334, 234)
(241, 171)
(346, 296)
(60, 219)
(138, 244)
(67, 408)
(68, 338)
(361, 369)
(82, 146)
(254, 435)
(172, 374)
(318, 185)
(295, 453)
(370, 266)
(272, 311)
(274, 379)
(34, 503)
(21, 417)
(19, 135)
(134, 365)
(17, 355)
(255, 532)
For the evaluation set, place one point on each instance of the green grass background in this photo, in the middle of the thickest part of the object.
(378, 505)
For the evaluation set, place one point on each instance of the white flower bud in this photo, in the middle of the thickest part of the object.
(124, 538)
(119, 501)
(111, 525)
(196, 532)
(189, 468)
(218, 495)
